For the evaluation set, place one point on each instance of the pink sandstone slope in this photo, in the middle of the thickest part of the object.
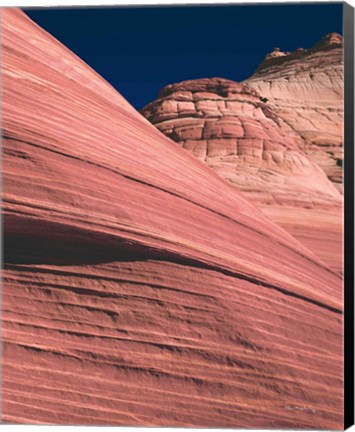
(239, 135)
(140, 288)
(306, 88)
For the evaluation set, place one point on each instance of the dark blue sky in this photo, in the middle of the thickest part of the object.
(140, 50)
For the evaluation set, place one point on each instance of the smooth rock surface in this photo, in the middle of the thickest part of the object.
(139, 288)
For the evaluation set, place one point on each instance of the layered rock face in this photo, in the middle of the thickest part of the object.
(139, 288)
(235, 131)
(305, 88)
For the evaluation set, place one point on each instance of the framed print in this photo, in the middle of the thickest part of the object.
(177, 215)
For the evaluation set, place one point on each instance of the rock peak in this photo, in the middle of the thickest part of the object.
(219, 86)
(278, 57)
(328, 40)
(275, 54)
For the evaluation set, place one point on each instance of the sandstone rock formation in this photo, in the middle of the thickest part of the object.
(305, 89)
(239, 135)
(139, 287)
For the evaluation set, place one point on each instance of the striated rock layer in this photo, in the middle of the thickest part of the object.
(139, 287)
(305, 88)
(239, 135)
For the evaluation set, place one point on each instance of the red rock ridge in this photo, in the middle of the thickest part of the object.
(140, 288)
